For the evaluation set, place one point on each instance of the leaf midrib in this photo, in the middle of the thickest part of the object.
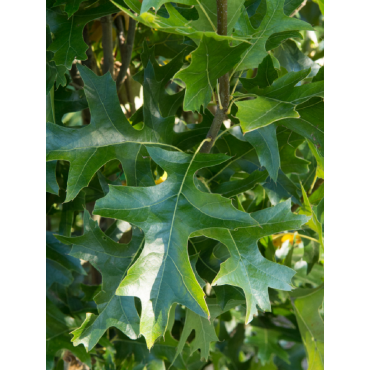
(170, 236)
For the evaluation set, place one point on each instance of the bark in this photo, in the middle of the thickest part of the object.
(107, 42)
(125, 47)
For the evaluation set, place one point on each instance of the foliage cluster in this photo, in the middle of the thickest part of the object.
(185, 184)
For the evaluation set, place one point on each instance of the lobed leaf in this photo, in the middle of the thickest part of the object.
(168, 213)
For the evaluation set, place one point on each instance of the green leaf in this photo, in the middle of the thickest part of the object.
(267, 343)
(51, 180)
(167, 45)
(320, 4)
(156, 4)
(313, 223)
(278, 38)
(265, 142)
(173, 22)
(87, 149)
(168, 214)
(54, 73)
(293, 60)
(68, 212)
(260, 366)
(277, 101)
(71, 6)
(195, 133)
(310, 123)
(274, 21)
(231, 188)
(155, 79)
(58, 325)
(112, 260)
(207, 11)
(165, 350)
(317, 195)
(68, 42)
(189, 215)
(209, 257)
(56, 273)
(306, 303)
(67, 101)
(58, 252)
(234, 144)
(50, 111)
(313, 279)
(266, 75)
(204, 334)
(246, 268)
(204, 329)
(296, 357)
(284, 188)
(288, 144)
(319, 159)
(211, 60)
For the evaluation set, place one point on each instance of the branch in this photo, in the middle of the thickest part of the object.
(107, 42)
(125, 48)
(221, 112)
(299, 8)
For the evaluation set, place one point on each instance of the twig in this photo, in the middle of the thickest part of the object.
(221, 113)
(107, 42)
(298, 9)
(125, 48)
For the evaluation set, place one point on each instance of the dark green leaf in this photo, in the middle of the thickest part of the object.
(211, 60)
(54, 73)
(274, 21)
(266, 145)
(58, 326)
(306, 304)
(112, 260)
(67, 101)
(293, 60)
(267, 343)
(71, 6)
(87, 149)
(51, 180)
(266, 75)
(231, 188)
(310, 123)
(277, 101)
(168, 214)
(246, 268)
(68, 42)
